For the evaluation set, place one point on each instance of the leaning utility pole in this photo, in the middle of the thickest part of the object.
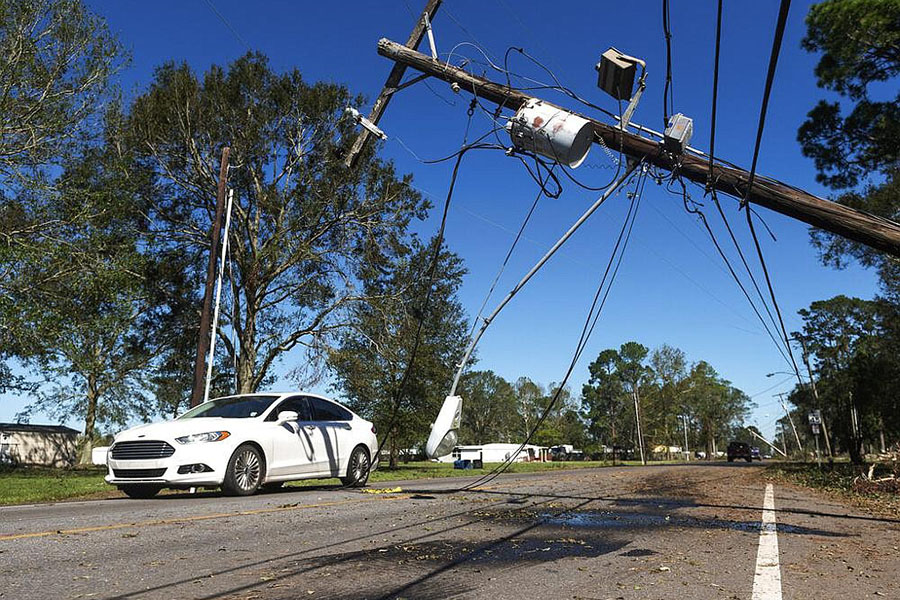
(203, 338)
(392, 84)
(790, 418)
(871, 230)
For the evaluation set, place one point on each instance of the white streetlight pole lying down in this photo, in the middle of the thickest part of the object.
(444, 430)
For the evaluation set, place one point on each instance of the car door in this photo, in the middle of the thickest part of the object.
(333, 422)
(294, 446)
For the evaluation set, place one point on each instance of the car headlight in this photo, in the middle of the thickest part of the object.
(209, 436)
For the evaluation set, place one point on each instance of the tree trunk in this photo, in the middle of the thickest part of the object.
(90, 421)
(392, 463)
(246, 360)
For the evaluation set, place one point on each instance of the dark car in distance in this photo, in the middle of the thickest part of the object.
(739, 450)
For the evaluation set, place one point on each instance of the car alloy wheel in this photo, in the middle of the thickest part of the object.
(245, 471)
(357, 468)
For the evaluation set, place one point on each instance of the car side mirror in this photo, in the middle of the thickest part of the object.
(286, 416)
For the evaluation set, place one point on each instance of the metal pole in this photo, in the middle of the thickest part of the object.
(791, 419)
(487, 321)
(637, 417)
(215, 327)
(818, 457)
(203, 337)
(687, 451)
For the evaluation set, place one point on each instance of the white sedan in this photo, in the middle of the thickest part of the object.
(243, 443)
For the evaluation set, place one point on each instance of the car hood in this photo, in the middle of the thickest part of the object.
(178, 428)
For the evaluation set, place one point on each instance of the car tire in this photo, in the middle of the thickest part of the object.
(245, 471)
(140, 491)
(358, 468)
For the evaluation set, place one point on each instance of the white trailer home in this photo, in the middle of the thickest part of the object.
(496, 453)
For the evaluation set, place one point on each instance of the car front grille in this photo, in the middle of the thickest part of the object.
(142, 450)
(138, 473)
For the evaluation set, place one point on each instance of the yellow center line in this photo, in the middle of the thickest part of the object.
(258, 511)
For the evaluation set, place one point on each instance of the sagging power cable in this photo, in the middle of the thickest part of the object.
(593, 315)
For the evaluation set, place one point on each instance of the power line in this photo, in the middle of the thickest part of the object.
(668, 92)
(715, 90)
(770, 77)
(228, 26)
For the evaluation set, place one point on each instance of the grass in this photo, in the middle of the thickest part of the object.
(26, 486)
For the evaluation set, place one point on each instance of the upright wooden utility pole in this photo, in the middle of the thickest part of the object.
(871, 230)
(203, 340)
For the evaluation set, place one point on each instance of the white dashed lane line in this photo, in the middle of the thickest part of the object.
(767, 581)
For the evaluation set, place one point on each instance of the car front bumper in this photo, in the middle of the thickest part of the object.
(181, 469)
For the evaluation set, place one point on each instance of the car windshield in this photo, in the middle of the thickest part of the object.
(239, 407)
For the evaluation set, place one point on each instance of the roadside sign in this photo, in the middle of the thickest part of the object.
(815, 428)
(815, 418)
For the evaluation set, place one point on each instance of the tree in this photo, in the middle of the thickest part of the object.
(855, 366)
(306, 233)
(669, 365)
(529, 397)
(714, 405)
(56, 60)
(372, 354)
(491, 413)
(602, 398)
(856, 153)
(633, 374)
(82, 300)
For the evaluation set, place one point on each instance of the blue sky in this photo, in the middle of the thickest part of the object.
(672, 288)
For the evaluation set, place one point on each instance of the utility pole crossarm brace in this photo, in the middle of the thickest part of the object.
(874, 231)
(392, 83)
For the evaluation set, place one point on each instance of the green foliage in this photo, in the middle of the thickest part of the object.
(56, 58)
(372, 354)
(665, 389)
(79, 298)
(857, 152)
(855, 346)
(491, 409)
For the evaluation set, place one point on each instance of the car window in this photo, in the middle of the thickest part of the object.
(236, 407)
(298, 404)
(323, 410)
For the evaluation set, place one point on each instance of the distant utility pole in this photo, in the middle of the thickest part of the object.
(812, 383)
(790, 418)
(637, 418)
(203, 338)
(687, 452)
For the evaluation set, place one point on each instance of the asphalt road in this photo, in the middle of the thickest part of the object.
(685, 532)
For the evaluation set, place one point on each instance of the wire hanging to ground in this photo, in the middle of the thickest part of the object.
(591, 320)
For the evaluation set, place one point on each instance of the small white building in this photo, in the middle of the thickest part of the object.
(27, 445)
(497, 453)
